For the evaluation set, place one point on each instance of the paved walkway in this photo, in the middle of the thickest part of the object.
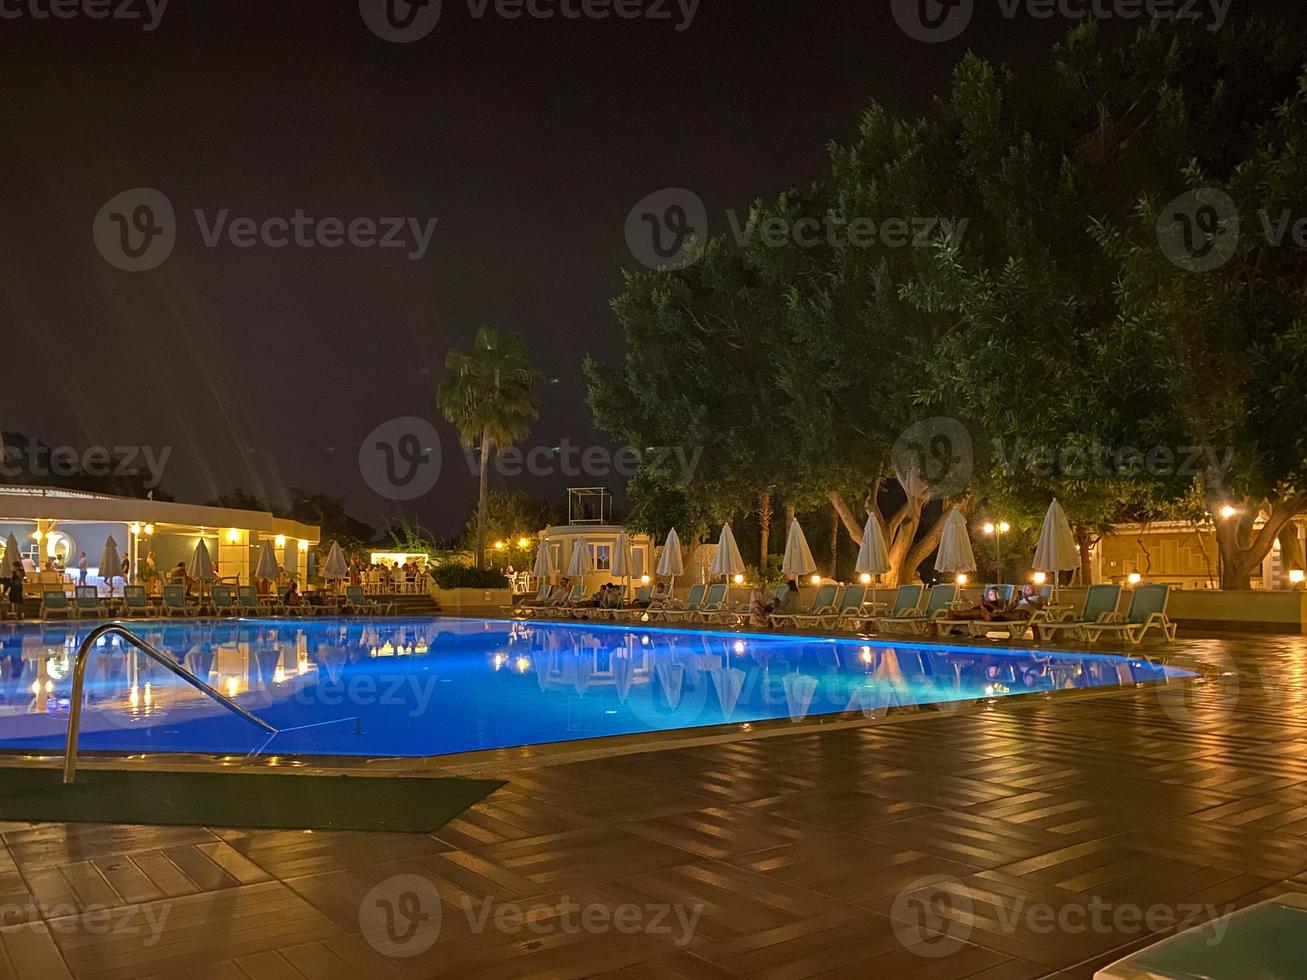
(1040, 839)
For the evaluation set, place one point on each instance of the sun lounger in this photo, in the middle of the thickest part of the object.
(953, 622)
(1147, 611)
(54, 602)
(224, 604)
(522, 608)
(938, 606)
(136, 601)
(822, 603)
(567, 601)
(175, 602)
(907, 599)
(356, 601)
(1100, 606)
(714, 601)
(674, 612)
(849, 606)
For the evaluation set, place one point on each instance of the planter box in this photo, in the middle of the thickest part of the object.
(472, 602)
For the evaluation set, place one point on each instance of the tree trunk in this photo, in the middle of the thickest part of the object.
(1085, 541)
(1243, 547)
(790, 513)
(764, 531)
(483, 498)
(834, 543)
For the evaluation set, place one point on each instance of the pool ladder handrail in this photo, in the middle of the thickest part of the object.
(79, 682)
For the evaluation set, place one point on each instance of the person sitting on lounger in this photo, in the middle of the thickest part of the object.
(1028, 601)
(991, 610)
(761, 606)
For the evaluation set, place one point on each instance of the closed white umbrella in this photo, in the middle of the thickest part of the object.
(1057, 550)
(336, 567)
(727, 561)
(267, 569)
(623, 558)
(110, 562)
(873, 555)
(670, 564)
(12, 554)
(201, 564)
(580, 565)
(955, 554)
(798, 559)
(544, 566)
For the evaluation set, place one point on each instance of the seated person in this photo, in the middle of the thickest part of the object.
(761, 605)
(991, 610)
(1028, 601)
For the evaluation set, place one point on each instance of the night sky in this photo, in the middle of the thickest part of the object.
(529, 141)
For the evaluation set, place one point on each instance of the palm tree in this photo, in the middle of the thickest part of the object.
(489, 395)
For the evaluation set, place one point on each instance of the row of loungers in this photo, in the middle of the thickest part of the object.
(850, 609)
(222, 601)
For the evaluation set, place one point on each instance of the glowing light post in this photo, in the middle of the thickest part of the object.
(998, 530)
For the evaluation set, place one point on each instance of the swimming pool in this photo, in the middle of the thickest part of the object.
(421, 687)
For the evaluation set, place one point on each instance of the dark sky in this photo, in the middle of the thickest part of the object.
(528, 140)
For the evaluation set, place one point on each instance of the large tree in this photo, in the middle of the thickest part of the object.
(489, 395)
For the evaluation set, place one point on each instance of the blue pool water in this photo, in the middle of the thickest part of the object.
(436, 686)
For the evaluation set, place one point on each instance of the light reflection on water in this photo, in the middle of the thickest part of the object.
(430, 687)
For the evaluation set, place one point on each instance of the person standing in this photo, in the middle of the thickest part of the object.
(16, 576)
(82, 569)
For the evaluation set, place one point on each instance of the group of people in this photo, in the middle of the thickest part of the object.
(387, 576)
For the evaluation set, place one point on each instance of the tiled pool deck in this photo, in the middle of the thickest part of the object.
(1022, 840)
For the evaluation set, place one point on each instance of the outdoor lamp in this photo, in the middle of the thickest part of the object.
(1227, 512)
(304, 545)
(962, 578)
(644, 579)
(865, 578)
(37, 535)
(816, 580)
(989, 528)
(281, 540)
(149, 530)
(524, 542)
(134, 527)
(1296, 576)
(1039, 578)
(233, 536)
(1135, 578)
(739, 580)
(499, 546)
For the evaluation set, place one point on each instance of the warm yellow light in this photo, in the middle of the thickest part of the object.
(280, 540)
(37, 535)
(524, 542)
(304, 545)
(134, 527)
(149, 530)
(815, 580)
(739, 646)
(989, 528)
(962, 578)
(1296, 576)
(1039, 578)
(1135, 578)
(500, 546)
(865, 578)
(499, 660)
(523, 664)
(644, 579)
(1227, 512)
(279, 675)
(233, 686)
(36, 687)
(739, 580)
(1004, 527)
(233, 536)
(866, 655)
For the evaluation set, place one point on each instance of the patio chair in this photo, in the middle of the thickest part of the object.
(176, 602)
(634, 609)
(674, 612)
(741, 612)
(950, 623)
(357, 602)
(907, 598)
(223, 602)
(136, 601)
(247, 599)
(565, 602)
(850, 605)
(937, 607)
(714, 601)
(1100, 605)
(54, 602)
(822, 602)
(86, 601)
(1147, 611)
(520, 608)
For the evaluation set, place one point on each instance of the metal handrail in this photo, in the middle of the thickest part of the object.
(79, 682)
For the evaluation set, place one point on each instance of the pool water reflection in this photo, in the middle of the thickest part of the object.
(436, 686)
